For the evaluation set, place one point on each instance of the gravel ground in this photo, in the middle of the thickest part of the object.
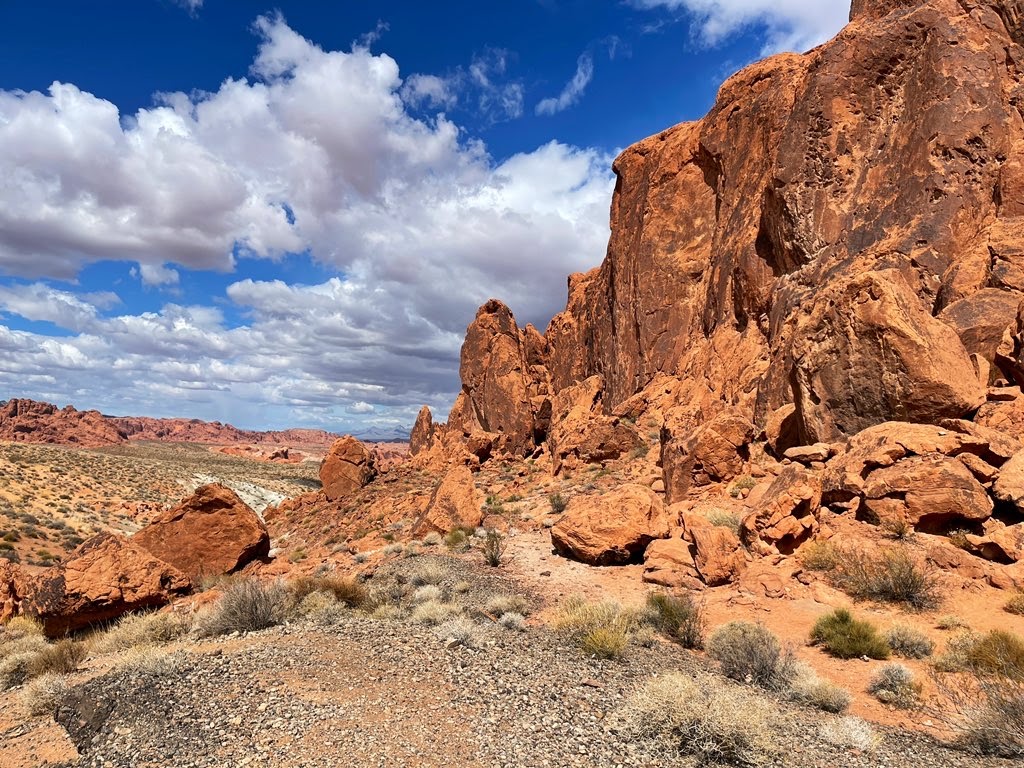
(365, 692)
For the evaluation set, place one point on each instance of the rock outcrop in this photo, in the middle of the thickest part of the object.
(422, 432)
(838, 244)
(29, 421)
(102, 579)
(455, 503)
(346, 468)
(211, 533)
(612, 529)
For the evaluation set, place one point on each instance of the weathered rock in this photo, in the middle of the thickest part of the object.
(786, 514)
(1010, 352)
(346, 468)
(611, 529)
(712, 453)
(422, 431)
(669, 563)
(931, 493)
(717, 553)
(12, 588)
(1009, 486)
(102, 579)
(1002, 545)
(808, 454)
(211, 533)
(981, 319)
(581, 433)
(871, 352)
(782, 429)
(455, 503)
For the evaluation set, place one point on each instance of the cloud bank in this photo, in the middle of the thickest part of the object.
(319, 152)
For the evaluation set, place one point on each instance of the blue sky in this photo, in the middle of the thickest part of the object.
(286, 214)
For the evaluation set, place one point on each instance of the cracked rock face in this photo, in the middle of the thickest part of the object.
(843, 233)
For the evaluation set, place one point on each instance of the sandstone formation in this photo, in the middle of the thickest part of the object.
(211, 533)
(581, 432)
(612, 529)
(33, 422)
(12, 587)
(455, 503)
(346, 468)
(104, 578)
(422, 432)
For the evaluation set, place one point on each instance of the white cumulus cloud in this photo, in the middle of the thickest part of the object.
(790, 25)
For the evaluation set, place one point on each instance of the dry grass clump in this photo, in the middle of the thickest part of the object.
(983, 687)
(426, 594)
(820, 556)
(600, 629)
(147, 660)
(348, 591)
(678, 617)
(895, 684)
(460, 631)
(434, 612)
(322, 607)
(716, 723)
(850, 733)
(494, 548)
(140, 629)
(513, 621)
(429, 571)
(812, 691)
(42, 695)
(908, 642)
(890, 575)
(499, 605)
(845, 637)
(949, 622)
(61, 657)
(246, 606)
(751, 654)
(1015, 604)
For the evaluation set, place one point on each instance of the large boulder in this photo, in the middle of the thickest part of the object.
(612, 529)
(455, 503)
(12, 588)
(868, 352)
(669, 563)
(714, 452)
(717, 554)
(104, 578)
(785, 515)
(346, 468)
(1009, 486)
(211, 533)
(581, 433)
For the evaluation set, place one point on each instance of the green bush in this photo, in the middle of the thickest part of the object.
(845, 637)
(752, 654)
(678, 617)
(558, 503)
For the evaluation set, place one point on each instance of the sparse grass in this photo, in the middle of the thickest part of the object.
(558, 503)
(512, 621)
(246, 606)
(820, 556)
(434, 612)
(898, 528)
(62, 657)
(950, 622)
(460, 631)
(845, 637)
(891, 575)
(432, 539)
(740, 484)
(723, 518)
(895, 684)
(147, 660)
(605, 642)
(716, 723)
(994, 654)
(140, 629)
(427, 593)
(908, 642)
(1015, 604)
(810, 690)
(429, 571)
(457, 539)
(678, 617)
(500, 605)
(850, 733)
(600, 629)
(750, 653)
(42, 695)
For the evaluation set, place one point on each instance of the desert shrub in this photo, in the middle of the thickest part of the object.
(433, 612)
(428, 571)
(432, 539)
(42, 695)
(908, 642)
(246, 606)
(750, 653)
(348, 591)
(513, 621)
(810, 690)
(723, 518)
(558, 503)
(19, 627)
(898, 528)
(412, 549)
(895, 684)
(993, 654)
(394, 549)
(645, 636)
(845, 637)
(321, 607)
(459, 631)
(850, 733)
(499, 605)
(949, 622)
(605, 642)
(716, 723)
(148, 660)
(457, 539)
(678, 617)
(14, 669)
(890, 575)
(820, 556)
(426, 594)
(61, 657)
(141, 629)
(1015, 604)
(494, 548)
